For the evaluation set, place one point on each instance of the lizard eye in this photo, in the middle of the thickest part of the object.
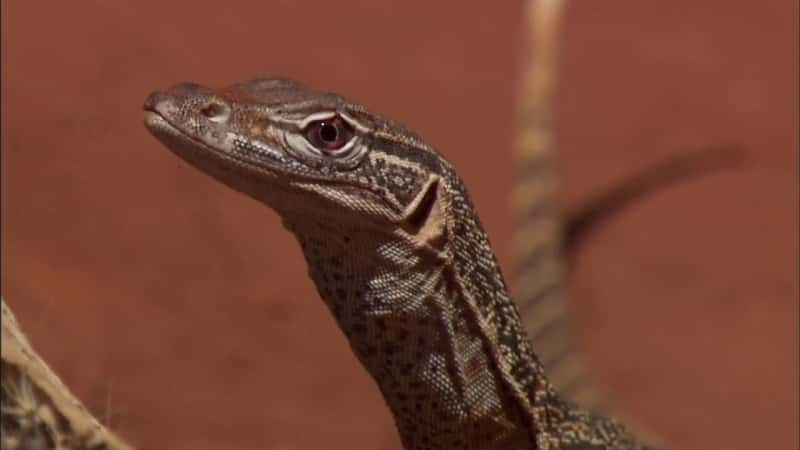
(329, 135)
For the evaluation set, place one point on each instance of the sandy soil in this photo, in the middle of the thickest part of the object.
(180, 310)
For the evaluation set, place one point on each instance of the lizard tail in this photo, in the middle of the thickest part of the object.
(544, 243)
(606, 204)
(537, 241)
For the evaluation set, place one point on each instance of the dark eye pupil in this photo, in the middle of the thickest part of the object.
(328, 132)
(329, 135)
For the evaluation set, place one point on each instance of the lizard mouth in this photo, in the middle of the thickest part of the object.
(155, 122)
(224, 154)
(193, 149)
(160, 127)
(169, 134)
(196, 135)
(157, 109)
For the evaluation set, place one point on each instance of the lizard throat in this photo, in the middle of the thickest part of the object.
(429, 360)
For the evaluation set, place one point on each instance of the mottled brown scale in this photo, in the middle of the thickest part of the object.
(414, 285)
(38, 411)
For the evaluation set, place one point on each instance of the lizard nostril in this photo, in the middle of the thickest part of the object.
(216, 112)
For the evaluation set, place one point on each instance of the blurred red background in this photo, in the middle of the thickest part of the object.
(180, 311)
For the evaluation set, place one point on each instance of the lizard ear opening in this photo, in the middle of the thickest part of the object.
(424, 218)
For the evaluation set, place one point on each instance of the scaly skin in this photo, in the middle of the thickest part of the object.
(538, 241)
(397, 252)
(38, 411)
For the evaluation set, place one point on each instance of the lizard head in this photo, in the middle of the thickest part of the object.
(306, 154)
(390, 236)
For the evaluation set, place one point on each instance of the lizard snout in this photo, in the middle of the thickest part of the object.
(153, 101)
(216, 111)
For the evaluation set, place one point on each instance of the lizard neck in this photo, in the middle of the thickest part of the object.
(408, 320)
(441, 336)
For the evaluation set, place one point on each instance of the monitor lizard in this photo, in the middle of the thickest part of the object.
(397, 252)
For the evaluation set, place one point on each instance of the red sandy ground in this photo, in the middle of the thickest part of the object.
(181, 311)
